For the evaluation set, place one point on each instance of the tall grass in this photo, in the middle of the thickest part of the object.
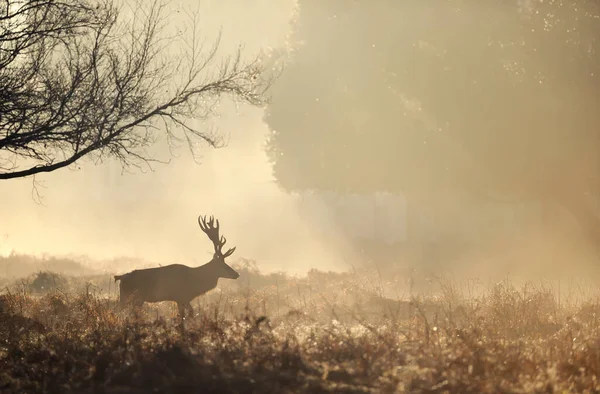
(322, 333)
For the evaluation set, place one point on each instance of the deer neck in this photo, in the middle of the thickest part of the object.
(207, 274)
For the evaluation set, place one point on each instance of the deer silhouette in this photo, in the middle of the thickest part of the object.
(177, 282)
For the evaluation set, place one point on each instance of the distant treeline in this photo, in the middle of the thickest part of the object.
(18, 265)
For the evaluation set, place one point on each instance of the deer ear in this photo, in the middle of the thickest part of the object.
(229, 252)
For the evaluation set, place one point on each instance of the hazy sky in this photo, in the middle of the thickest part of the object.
(100, 212)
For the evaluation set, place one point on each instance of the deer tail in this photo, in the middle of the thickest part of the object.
(118, 277)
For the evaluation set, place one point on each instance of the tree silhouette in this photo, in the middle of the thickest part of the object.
(493, 99)
(82, 78)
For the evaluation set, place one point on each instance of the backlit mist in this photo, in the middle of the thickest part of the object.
(99, 211)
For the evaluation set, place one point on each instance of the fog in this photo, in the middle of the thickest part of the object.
(480, 115)
(97, 210)
(101, 212)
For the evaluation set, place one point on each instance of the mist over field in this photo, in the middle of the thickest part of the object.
(96, 210)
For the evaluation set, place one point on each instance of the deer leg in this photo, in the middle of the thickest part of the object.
(188, 306)
(126, 301)
(123, 298)
(129, 298)
(181, 306)
(137, 306)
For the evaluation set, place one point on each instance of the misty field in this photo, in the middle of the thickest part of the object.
(321, 333)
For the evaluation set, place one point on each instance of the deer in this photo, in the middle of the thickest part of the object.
(177, 282)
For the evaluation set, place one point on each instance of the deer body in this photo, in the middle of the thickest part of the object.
(177, 282)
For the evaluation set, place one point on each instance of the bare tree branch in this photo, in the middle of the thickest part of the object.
(75, 81)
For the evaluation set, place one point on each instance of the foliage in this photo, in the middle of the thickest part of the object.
(45, 281)
(87, 78)
(506, 340)
(24, 265)
(490, 99)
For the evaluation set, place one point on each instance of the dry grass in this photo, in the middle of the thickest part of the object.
(323, 333)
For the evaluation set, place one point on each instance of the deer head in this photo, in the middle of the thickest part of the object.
(218, 261)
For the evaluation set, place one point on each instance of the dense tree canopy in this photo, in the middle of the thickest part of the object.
(89, 78)
(491, 98)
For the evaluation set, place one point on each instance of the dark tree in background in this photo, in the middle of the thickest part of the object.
(82, 78)
(494, 99)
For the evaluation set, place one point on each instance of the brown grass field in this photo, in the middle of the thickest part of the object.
(322, 333)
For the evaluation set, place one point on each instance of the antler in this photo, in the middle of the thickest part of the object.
(212, 232)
